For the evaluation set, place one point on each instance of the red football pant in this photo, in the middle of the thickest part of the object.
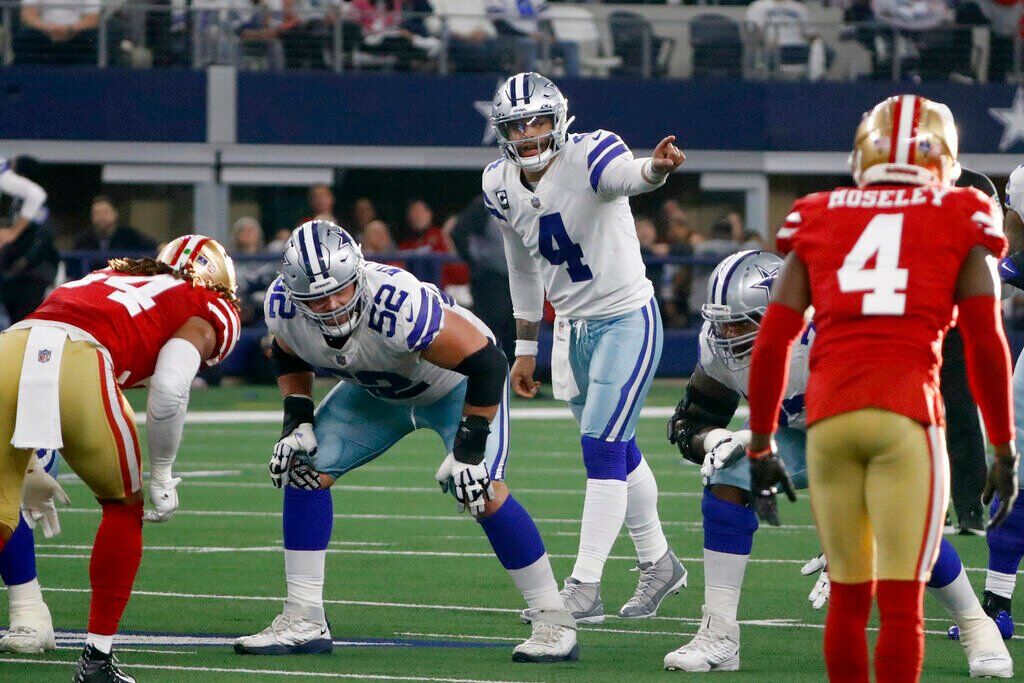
(116, 555)
(846, 643)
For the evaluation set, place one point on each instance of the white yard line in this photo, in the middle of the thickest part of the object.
(258, 672)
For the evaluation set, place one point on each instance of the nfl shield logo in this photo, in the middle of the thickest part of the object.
(44, 356)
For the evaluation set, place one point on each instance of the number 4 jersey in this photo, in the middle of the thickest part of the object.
(573, 236)
(400, 318)
(133, 316)
(883, 263)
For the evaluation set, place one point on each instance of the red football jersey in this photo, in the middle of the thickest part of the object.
(134, 316)
(883, 264)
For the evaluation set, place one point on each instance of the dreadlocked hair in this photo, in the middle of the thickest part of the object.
(147, 266)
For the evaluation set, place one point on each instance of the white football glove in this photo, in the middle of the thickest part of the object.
(472, 483)
(164, 496)
(301, 440)
(723, 450)
(37, 499)
(823, 586)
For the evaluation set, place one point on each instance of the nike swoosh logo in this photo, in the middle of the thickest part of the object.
(1007, 267)
(323, 631)
(409, 316)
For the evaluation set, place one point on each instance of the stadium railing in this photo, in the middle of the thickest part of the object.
(639, 41)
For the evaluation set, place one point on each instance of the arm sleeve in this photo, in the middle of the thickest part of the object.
(988, 364)
(769, 367)
(524, 281)
(785, 238)
(31, 195)
(987, 219)
(176, 367)
(613, 172)
(227, 326)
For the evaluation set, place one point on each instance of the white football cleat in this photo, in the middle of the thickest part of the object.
(31, 631)
(553, 638)
(987, 656)
(716, 647)
(298, 631)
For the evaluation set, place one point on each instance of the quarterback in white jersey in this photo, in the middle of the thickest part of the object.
(562, 203)
(408, 358)
(737, 297)
(30, 198)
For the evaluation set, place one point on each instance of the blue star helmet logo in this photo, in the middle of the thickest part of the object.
(768, 277)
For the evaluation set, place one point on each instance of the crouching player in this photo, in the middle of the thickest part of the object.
(408, 358)
(737, 298)
(61, 374)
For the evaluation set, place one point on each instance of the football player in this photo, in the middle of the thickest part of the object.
(408, 358)
(30, 627)
(62, 370)
(884, 264)
(737, 298)
(562, 202)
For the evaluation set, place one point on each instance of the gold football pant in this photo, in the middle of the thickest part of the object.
(879, 485)
(97, 425)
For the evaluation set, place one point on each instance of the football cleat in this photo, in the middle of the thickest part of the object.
(716, 647)
(297, 631)
(583, 600)
(553, 639)
(99, 667)
(657, 581)
(987, 656)
(998, 609)
(31, 631)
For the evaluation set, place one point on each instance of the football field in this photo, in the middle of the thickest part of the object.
(413, 590)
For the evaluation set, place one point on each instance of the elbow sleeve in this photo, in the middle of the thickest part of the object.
(487, 371)
(988, 364)
(769, 367)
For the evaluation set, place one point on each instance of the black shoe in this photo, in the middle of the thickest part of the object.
(972, 523)
(97, 667)
(994, 604)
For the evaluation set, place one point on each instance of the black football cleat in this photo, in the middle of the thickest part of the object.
(98, 667)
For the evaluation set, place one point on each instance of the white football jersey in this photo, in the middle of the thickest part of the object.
(574, 233)
(793, 412)
(382, 355)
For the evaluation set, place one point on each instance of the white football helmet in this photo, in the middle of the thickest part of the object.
(739, 291)
(524, 98)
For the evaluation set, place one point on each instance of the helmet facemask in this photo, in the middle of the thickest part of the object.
(338, 322)
(549, 144)
(733, 349)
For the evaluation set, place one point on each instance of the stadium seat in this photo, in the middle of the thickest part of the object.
(717, 47)
(635, 42)
(577, 24)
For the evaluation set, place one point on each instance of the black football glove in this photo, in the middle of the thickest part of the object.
(1002, 479)
(767, 475)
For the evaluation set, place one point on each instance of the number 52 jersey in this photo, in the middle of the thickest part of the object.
(883, 263)
(133, 316)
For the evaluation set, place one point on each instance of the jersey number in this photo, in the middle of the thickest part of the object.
(135, 292)
(391, 299)
(886, 283)
(556, 246)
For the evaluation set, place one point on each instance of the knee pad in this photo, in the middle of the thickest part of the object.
(728, 527)
(604, 459)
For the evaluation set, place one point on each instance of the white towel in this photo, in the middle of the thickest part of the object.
(563, 382)
(38, 420)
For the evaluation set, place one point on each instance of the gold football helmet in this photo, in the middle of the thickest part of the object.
(906, 139)
(209, 262)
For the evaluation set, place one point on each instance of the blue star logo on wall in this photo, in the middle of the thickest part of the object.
(768, 276)
(1012, 120)
(483, 107)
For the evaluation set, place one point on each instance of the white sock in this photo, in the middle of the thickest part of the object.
(642, 514)
(537, 584)
(1000, 584)
(25, 595)
(604, 510)
(959, 599)
(304, 570)
(101, 643)
(723, 581)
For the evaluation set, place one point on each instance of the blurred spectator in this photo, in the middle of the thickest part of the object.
(523, 24)
(321, 203)
(472, 40)
(107, 234)
(781, 26)
(276, 246)
(363, 213)
(254, 275)
(306, 31)
(1004, 19)
(29, 202)
(218, 26)
(477, 237)
(647, 234)
(721, 244)
(57, 32)
(422, 235)
(375, 238)
(28, 259)
(386, 32)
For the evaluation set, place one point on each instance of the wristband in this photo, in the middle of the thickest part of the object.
(298, 409)
(526, 347)
(471, 440)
